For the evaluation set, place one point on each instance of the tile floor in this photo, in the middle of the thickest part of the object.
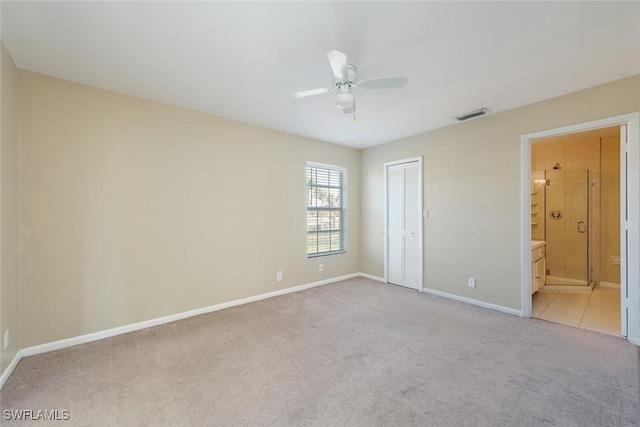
(597, 310)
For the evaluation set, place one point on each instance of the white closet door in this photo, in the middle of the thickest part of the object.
(404, 221)
(395, 221)
(412, 219)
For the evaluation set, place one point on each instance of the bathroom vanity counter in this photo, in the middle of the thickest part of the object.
(535, 244)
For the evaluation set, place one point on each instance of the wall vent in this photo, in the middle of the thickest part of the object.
(472, 114)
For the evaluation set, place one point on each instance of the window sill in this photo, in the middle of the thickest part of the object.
(324, 254)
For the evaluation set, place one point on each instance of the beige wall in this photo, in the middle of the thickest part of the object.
(472, 191)
(9, 312)
(132, 210)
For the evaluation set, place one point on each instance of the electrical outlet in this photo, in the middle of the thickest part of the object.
(321, 267)
(472, 282)
(6, 338)
(279, 276)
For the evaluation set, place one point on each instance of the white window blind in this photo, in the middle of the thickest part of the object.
(325, 210)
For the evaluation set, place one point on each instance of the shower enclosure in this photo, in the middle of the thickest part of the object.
(560, 216)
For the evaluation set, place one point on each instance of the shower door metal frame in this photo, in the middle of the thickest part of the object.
(587, 227)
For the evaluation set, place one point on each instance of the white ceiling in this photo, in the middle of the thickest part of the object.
(240, 60)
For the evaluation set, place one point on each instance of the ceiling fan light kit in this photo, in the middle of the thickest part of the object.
(344, 99)
(344, 76)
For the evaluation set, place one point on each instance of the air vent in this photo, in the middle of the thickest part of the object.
(472, 114)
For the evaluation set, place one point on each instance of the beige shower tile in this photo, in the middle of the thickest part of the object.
(555, 243)
(576, 244)
(545, 166)
(555, 225)
(548, 153)
(574, 215)
(576, 196)
(576, 267)
(537, 232)
(555, 197)
(594, 219)
(594, 251)
(556, 177)
(556, 272)
(582, 149)
(594, 196)
(537, 201)
(576, 176)
(594, 269)
(555, 264)
(591, 164)
(538, 210)
(540, 185)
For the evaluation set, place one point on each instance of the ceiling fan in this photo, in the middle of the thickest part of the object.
(344, 78)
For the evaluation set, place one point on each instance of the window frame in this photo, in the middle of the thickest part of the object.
(342, 209)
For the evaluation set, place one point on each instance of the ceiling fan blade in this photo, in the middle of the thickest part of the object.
(338, 62)
(389, 82)
(310, 92)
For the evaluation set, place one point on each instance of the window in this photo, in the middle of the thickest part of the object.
(325, 210)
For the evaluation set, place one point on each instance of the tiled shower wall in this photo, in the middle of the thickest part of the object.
(570, 154)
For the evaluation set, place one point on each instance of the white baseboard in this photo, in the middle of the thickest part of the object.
(82, 339)
(474, 302)
(7, 372)
(372, 277)
(609, 285)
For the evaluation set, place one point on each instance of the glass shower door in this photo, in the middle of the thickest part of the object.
(567, 226)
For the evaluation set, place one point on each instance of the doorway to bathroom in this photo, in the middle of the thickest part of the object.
(569, 216)
(575, 220)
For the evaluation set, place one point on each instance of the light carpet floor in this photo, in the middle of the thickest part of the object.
(354, 353)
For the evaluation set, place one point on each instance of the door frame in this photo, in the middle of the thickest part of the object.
(386, 211)
(630, 233)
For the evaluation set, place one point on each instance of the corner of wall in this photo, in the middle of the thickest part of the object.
(9, 216)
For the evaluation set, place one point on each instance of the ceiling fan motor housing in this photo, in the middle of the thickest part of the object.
(344, 98)
(351, 74)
